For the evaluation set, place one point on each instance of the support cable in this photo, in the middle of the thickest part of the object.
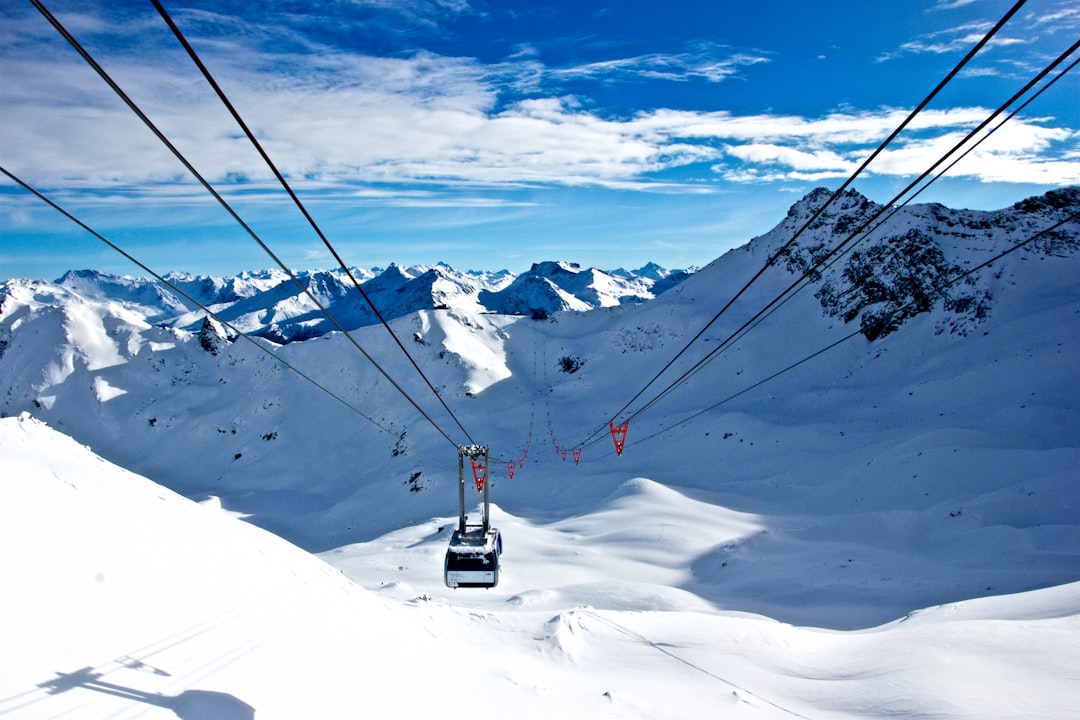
(772, 259)
(804, 281)
(240, 333)
(940, 173)
(859, 231)
(937, 291)
(217, 196)
(300, 205)
(850, 336)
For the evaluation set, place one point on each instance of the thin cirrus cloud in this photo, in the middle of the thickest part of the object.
(1049, 19)
(707, 64)
(950, 41)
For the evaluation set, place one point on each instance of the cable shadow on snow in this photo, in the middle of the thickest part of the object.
(188, 705)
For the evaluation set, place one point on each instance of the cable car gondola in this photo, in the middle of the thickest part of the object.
(472, 559)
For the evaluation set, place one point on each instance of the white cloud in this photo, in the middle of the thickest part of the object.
(710, 63)
(334, 122)
(794, 158)
(951, 4)
(1063, 17)
(961, 38)
(958, 44)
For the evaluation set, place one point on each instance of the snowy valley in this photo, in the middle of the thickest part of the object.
(864, 504)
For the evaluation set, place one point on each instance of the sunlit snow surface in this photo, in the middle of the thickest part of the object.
(889, 530)
(123, 599)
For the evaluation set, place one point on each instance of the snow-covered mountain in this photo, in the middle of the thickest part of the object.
(898, 271)
(882, 525)
(551, 287)
(270, 304)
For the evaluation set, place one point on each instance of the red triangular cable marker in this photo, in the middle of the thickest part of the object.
(563, 452)
(618, 434)
(479, 471)
(510, 469)
(577, 455)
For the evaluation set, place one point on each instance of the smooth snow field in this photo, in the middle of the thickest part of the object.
(125, 600)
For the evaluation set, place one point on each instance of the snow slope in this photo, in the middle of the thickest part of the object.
(134, 602)
(886, 529)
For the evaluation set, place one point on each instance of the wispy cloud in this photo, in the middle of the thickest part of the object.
(411, 126)
(526, 73)
(708, 62)
(1022, 30)
(1061, 18)
(953, 40)
(951, 4)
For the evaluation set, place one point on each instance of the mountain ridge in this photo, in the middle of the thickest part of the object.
(269, 303)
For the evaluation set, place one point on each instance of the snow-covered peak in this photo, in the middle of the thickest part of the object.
(271, 304)
(883, 266)
(146, 295)
(652, 271)
(556, 286)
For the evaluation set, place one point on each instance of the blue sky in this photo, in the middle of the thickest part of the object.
(492, 134)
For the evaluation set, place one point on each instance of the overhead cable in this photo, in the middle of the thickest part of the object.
(172, 286)
(809, 272)
(836, 194)
(217, 196)
(300, 205)
(888, 317)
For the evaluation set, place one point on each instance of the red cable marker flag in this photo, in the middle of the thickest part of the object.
(577, 455)
(510, 469)
(618, 434)
(479, 471)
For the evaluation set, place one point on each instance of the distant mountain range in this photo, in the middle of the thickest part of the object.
(882, 279)
(270, 304)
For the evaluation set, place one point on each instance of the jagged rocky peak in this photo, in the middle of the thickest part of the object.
(328, 284)
(211, 336)
(653, 271)
(555, 268)
(394, 272)
(1067, 198)
(883, 268)
(848, 201)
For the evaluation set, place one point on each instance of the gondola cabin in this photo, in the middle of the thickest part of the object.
(472, 559)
